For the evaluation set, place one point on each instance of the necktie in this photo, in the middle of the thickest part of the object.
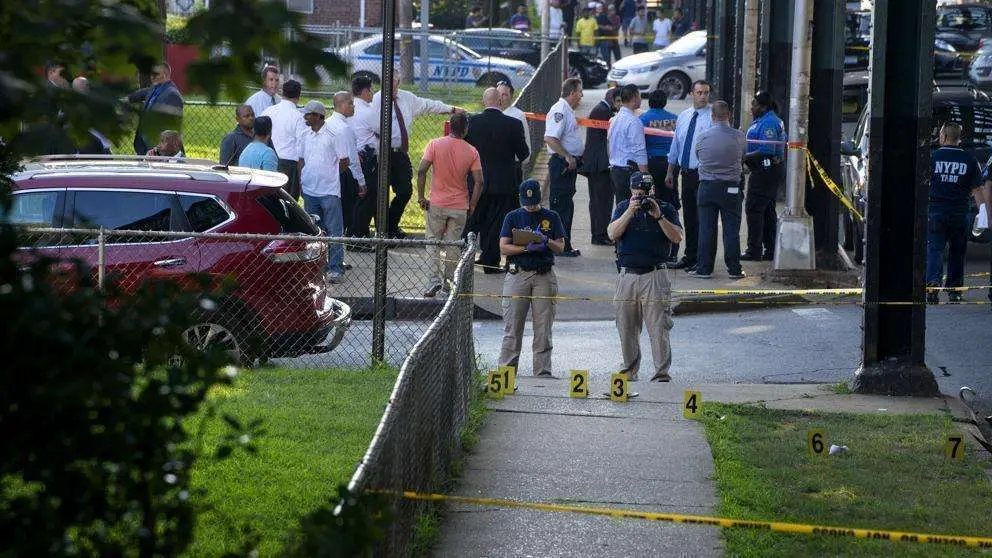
(687, 147)
(404, 139)
(273, 97)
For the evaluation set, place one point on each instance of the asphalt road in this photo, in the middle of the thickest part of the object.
(807, 344)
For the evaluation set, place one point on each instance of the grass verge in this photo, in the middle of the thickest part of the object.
(317, 425)
(894, 477)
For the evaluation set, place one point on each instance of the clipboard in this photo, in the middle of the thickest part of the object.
(523, 237)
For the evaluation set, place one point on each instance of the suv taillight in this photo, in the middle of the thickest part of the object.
(286, 251)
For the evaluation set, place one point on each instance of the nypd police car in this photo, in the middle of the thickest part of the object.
(448, 63)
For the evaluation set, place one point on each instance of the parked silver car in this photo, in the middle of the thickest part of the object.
(672, 69)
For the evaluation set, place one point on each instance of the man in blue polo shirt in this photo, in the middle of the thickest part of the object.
(658, 147)
(643, 229)
(530, 274)
(956, 176)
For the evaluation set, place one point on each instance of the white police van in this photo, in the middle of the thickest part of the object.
(448, 63)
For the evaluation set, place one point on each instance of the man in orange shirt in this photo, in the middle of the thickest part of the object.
(449, 206)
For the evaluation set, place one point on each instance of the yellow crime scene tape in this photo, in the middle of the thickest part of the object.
(776, 526)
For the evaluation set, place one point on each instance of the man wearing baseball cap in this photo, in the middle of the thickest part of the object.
(643, 229)
(530, 282)
(323, 156)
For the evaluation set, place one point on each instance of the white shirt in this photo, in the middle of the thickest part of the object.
(625, 139)
(662, 32)
(562, 126)
(556, 21)
(288, 127)
(261, 100)
(339, 126)
(321, 153)
(411, 106)
(519, 115)
(365, 124)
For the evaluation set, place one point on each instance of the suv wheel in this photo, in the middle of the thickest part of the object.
(214, 332)
(675, 85)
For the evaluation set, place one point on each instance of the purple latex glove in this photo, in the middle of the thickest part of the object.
(536, 246)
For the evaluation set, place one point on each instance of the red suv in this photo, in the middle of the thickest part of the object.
(280, 307)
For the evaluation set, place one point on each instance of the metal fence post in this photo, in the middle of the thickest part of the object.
(101, 262)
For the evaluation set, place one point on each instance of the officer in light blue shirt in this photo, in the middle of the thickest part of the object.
(625, 140)
(258, 155)
(682, 163)
(764, 161)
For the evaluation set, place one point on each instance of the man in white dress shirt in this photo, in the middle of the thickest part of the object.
(288, 127)
(365, 124)
(406, 107)
(505, 90)
(269, 94)
(323, 155)
(353, 186)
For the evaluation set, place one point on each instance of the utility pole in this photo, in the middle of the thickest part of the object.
(826, 85)
(898, 177)
(749, 60)
(794, 244)
(424, 43)
(545, 28)
(406, 39)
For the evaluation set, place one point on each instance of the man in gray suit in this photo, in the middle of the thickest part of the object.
(161, 109)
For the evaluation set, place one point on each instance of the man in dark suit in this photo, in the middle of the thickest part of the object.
(499, 139)
(596, 167)
(161, 109)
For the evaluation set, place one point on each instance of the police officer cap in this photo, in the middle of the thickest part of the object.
(530, 192)
(636, 180)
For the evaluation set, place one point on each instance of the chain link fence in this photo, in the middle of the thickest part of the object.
(269, 299)
(542, 91)
(419, 432)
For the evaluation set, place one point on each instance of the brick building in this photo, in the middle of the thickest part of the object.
(347, 13)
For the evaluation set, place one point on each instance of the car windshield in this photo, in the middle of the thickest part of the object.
(975, 120)
(963, 18)
(463, 50)
(690, 44)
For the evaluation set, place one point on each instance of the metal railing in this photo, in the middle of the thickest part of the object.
(419, 433)
(269, 300)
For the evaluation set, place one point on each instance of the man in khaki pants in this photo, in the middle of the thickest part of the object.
(643, 228)
(531, 274)
(449, 206)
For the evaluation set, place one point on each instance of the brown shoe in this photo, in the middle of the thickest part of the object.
(662, 377)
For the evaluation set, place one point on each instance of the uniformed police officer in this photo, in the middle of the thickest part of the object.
(561, 133)
(531, 274)
(643, 229)
(956, 176)
(767, 174)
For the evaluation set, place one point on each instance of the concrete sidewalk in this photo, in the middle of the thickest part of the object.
(593, 274)
(541, 446)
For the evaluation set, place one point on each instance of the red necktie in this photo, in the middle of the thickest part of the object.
(404, 139)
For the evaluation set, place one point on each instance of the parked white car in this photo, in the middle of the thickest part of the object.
(672, 69)
(448, 63)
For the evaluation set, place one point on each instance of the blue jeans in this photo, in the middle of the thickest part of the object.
(714, 200)
(946, 227)
(332, 223)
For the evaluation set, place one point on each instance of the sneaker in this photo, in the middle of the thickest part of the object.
(544, 374)
(632, 379)
(699, 275)
(570, 254)
(738, 275)
(333, 277)
(431, 291)
(684, 264)
(661, 377)
(749, 257)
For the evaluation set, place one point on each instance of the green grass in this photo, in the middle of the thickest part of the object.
(894, 477)
(204, 126)
(317, 423)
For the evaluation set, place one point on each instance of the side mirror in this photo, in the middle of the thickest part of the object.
(847, 147)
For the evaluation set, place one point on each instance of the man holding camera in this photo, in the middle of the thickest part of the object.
(643, 229)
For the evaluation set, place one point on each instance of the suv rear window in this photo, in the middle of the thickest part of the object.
(289, 214)
(202, 213)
